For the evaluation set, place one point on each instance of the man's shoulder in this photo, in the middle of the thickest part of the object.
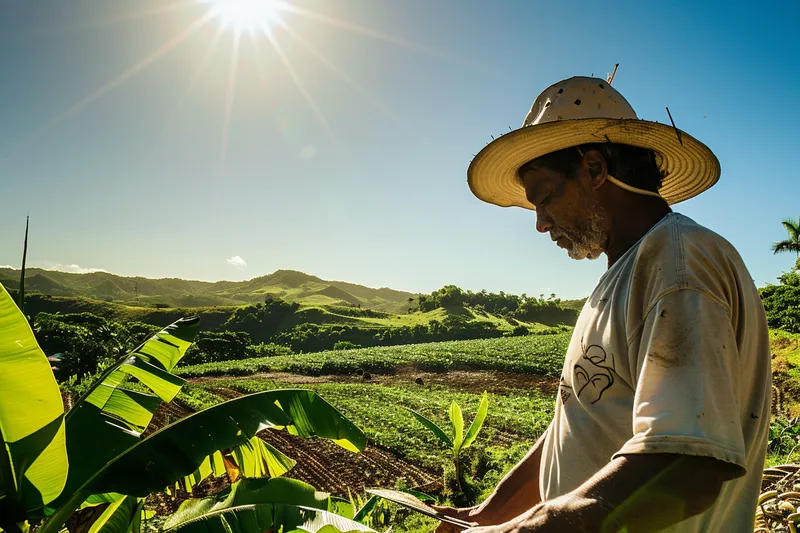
(679, 237)
(681, 253)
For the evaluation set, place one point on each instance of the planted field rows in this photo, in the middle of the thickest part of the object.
(374, 386)
(533, 354)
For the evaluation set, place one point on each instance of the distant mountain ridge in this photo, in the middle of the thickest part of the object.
(175, 292)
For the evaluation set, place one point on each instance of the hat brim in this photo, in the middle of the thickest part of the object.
(690, 166)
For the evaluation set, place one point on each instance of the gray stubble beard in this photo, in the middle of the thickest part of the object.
(588, 239)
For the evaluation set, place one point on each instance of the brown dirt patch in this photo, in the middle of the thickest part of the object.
(463, 380)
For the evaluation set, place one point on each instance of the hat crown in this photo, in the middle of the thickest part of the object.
(576, 98)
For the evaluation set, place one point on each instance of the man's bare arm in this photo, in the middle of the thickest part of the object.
(516, 493)
(635, 493)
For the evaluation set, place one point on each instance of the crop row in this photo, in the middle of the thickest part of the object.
(533, 354)
(514, 422)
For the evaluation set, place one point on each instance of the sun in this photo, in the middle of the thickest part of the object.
(246, 14)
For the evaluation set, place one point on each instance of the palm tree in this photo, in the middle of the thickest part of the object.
(792, 244)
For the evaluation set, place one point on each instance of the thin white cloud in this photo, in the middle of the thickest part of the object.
(75, 269)
(237, 261)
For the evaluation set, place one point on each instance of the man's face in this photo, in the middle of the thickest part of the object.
(567, 209)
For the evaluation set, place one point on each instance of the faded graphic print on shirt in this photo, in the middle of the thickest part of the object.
(592, 375)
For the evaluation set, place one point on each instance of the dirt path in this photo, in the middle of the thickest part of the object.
(471, 381)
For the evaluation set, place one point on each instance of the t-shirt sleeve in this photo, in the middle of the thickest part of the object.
(685, 370)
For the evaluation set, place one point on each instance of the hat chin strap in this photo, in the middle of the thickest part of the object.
(631, 188)
(622, 185)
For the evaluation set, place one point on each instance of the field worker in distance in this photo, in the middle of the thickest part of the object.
(662, 417)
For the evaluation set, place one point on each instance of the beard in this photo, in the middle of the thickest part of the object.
(586, 237)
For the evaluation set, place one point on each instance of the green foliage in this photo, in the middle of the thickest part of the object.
(95, 454)
(782, 303)
(83, 342)
(792, 243)
(346, 345)
(270, 350)
(257, 505)
(550, 312)
(356, 311)
(172, 292)
(533, 354)
(784, 438)
(261, 321)
(210, 346)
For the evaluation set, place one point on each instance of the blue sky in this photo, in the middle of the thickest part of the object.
(141, 152)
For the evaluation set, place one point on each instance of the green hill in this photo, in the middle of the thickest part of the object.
(174, 292)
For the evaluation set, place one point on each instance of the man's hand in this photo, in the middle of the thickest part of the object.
(469, 514)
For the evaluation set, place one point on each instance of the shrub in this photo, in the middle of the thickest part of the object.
(346, 345)
(782, 303)
(270, 350)
(212, 346)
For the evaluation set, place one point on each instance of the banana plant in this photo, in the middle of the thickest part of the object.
(52, 464)
(458, 442)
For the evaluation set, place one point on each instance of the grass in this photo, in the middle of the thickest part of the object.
(532, 354)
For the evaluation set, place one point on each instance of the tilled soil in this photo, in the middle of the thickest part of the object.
(472, 381)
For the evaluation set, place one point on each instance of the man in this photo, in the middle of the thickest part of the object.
(662, 417)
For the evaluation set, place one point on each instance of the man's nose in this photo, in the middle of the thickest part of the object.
(543, 222)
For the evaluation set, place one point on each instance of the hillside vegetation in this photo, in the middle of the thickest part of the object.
(174, 292)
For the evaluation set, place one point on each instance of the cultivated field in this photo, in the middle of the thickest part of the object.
(371, 387)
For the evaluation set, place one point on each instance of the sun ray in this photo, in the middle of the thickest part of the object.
(131, 71)
(297, 81)
(230, 92)
(350, 81)
(380, 36)
(199, 69)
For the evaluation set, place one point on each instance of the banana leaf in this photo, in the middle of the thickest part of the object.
(252, 459)
(109, 419)
(178, 450)
(457, 419)
(257, 505)
(119, 516)
(33, 453)
(431, 425)
(477, 423)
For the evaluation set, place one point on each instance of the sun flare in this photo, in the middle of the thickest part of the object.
(246, 14)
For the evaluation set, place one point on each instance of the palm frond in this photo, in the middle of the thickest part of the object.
(786, 246)
(792, 228)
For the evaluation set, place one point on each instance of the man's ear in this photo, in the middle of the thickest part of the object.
(595, 164)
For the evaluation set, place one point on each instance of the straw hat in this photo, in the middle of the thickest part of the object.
(583, 110)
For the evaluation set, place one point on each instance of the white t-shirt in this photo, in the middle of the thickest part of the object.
(670, 354)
